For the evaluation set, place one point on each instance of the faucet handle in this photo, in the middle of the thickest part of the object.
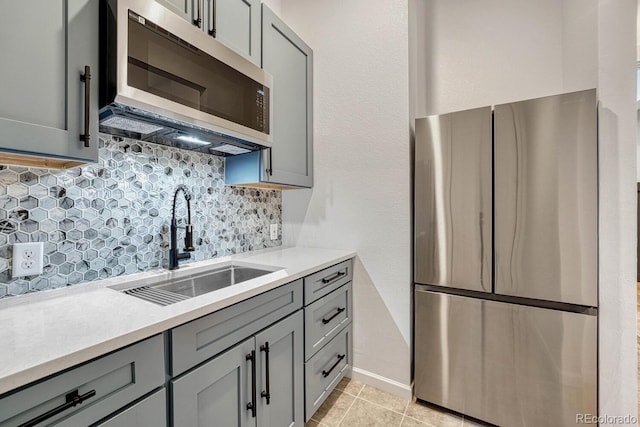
(188, 239)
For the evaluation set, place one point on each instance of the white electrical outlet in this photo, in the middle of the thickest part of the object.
(27, 259)
(273, 230)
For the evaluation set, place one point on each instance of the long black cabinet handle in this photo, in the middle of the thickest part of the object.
(338, 311)
(198, 20)
(325, 374)
(251, 406)
(212, 24)
(86, 78)
(71, 399)
(266, 393)
(334, 277)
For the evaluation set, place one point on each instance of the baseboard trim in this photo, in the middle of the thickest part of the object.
(382, 383)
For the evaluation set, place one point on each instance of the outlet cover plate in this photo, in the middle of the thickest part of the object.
(273, 231)
(27, 259)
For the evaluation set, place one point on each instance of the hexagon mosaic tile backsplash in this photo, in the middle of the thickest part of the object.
(112, 218)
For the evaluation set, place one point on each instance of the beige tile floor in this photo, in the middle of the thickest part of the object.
(353, 404)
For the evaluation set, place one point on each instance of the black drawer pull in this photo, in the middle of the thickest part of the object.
(71, 399)
(251, 406)
(266, 393)
(325, 374)
(334, 277)
(338, 311)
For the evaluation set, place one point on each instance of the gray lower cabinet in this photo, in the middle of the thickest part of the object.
(328, 317)
(325, 369)
(281, 365)
(203, 338)
(42, 112)
(324, 318)
(257, 383)
(289, 163)
(149, 412)
(322, 283)
(98, 388)
(236, 23)
(216, 393)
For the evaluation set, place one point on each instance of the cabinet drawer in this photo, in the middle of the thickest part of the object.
(116, 379)
(201, 339)
(324, 370)
(149, 412)
(324, 319)
(321, 283)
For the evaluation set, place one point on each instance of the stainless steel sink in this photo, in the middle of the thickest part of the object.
(228, 274)
(218, 279)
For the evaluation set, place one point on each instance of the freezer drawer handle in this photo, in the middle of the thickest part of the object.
(266, 393)
(334, 277)
(251, 406)
(338, 311)
(325, 374)
(71, 399)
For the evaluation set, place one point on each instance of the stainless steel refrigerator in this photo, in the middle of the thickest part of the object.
(505, 260)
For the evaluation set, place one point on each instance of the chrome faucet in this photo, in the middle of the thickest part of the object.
(174, 252)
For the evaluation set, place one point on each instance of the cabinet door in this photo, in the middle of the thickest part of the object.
(282, 344)
(236, 23)
(290, 61)
(42, 96)
(186, 9)
(149, 412)
(217, 392)
(100, 387)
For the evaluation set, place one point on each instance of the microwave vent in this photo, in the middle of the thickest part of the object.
(131, 125)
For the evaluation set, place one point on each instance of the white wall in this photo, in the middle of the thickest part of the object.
(469, 54)
(463, 54)
(361, 195)
(472, 54)
(617, 264)
(495, 60)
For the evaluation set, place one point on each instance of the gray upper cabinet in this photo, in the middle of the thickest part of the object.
(290, 61)
(184, 8)
(289, 163)
(236, 23)
(42, 108)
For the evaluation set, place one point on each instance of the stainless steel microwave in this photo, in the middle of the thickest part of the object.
(163, 80)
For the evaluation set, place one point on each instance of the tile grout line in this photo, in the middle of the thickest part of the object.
(380, 406)
(404, 413)
(350, 406)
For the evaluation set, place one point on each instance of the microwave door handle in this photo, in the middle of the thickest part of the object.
(212, 21)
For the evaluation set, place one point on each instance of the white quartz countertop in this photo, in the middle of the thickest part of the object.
(46, 332)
